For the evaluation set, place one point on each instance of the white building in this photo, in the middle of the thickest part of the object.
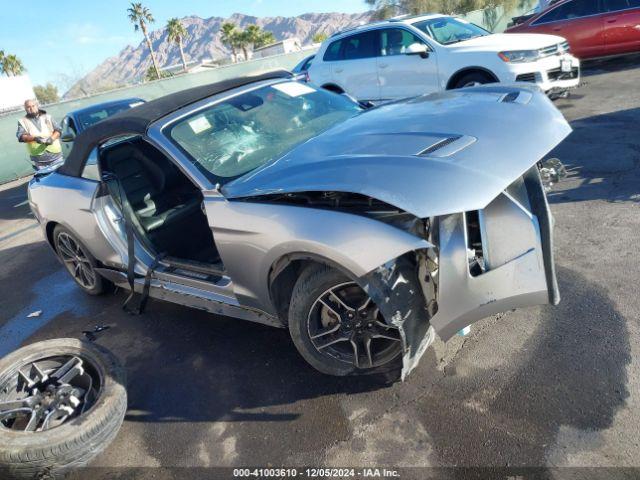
(288, 45)
(14, 91)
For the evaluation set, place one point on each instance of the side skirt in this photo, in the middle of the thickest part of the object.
(192, 297)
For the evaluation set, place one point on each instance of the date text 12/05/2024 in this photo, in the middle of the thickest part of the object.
(315, 472)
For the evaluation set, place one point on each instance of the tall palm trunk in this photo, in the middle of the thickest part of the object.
(246, 54)
(184, 61)
(153, 55)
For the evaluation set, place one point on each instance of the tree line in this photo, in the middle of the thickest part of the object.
(252, 37)
(236, 39)
(389, 8)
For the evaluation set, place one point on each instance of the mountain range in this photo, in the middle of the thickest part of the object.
(203, 43)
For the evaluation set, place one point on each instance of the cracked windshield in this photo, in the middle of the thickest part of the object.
(242, 133)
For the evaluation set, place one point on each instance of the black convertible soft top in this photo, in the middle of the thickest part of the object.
(135, 121)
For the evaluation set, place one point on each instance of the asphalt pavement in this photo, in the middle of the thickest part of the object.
(539, 387)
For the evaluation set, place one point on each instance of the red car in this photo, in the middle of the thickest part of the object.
(594, 28)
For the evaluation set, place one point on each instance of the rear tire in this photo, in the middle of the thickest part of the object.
(473, 79)
(54, 452)
(79, 262)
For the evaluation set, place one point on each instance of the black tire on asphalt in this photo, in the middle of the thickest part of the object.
(102, 285)
(311, 283)
(55, 452)
(473, 77)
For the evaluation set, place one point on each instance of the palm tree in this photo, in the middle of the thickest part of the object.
(230, 37)
(177, 34)
(266, 38)
(12, 66)
(256, 37)
(259, 37)
(319, 37)
(140, 16)
(244, 40)
(2, 57)
(253, 34)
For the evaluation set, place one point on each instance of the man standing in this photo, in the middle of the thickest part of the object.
(41, 134)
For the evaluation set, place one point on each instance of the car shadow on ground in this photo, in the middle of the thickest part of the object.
(602, 156)
(610, 64)
(566, 390)
(234, 369)
(186, 366)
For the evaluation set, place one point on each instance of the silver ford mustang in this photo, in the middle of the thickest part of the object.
(363, 231)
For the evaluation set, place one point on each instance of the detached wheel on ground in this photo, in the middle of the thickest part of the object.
(336, 326)
(78, 261)
(473, 79)
(62, 402)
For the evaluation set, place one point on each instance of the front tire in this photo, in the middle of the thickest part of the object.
(337, 328)
(78, 261)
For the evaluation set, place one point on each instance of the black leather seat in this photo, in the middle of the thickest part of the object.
(155, 188)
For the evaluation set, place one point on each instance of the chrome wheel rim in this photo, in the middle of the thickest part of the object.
(76, 260)
(47, 393)
(471, 84)
(345, 324)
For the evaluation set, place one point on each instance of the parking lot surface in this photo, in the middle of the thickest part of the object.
(541, 387)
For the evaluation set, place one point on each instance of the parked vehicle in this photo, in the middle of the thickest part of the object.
(362, 231)
(410, 56)
(534, 11)
(593, 28)
(303, 65)
(79, 120)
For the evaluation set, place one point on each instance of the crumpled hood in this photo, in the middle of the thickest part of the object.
(501, 42)
(430, 155)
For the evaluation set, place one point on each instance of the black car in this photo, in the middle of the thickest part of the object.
(302, 67)
(79, 120)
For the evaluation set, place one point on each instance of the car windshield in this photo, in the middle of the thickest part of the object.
(233, 137)
(448, 30)
(88, 118)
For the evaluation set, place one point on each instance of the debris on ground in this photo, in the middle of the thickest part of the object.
(91, 334)
(37, 313)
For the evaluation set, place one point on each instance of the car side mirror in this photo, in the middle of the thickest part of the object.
(417, 49)
(68, 137)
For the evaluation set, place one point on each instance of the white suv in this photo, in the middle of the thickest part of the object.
(408, 56)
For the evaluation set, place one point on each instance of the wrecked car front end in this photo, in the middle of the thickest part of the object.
(483, 262)
(462, 166)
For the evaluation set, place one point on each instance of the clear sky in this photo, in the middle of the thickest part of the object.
(71, 37)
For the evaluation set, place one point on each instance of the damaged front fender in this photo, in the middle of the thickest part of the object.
(396, 289)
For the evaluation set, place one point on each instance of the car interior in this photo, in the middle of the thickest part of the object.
(167, 207)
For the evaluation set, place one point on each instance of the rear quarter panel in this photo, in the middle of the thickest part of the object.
(68, 201)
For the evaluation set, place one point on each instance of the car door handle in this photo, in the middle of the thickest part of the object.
(612, 20)
(339, 70)
(383, 65)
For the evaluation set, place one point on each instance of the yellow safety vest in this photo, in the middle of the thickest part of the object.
(34, 148)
